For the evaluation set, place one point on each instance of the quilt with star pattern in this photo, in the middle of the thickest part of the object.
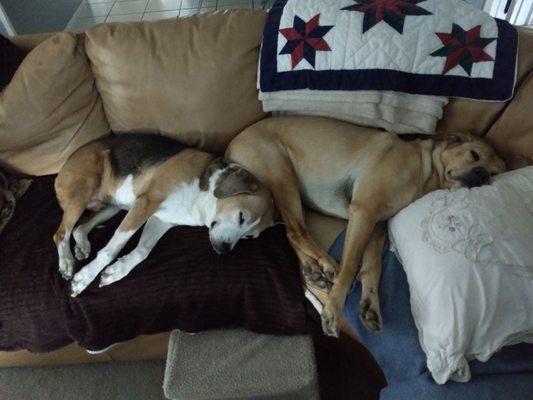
(429, 47)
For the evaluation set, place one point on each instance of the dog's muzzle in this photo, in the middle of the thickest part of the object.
(478, 176)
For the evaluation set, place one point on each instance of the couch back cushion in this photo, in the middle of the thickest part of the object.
(50, 108)
(193, 78)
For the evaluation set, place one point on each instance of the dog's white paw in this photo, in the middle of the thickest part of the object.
(66, 267)
(114, 272)
(82, 250)
(81, 280)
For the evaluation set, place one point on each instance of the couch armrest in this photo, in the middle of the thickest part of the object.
(512, 133)
(28, 42)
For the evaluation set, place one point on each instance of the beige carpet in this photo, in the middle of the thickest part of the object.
(140, 380)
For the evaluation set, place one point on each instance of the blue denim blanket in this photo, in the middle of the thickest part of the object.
(507, 375)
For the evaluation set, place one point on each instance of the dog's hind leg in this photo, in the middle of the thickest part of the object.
(153, 230)
(82, 248)
(72, 212)
(369, 275)
(142, 209)
(361, 223)
(75, 185)
(73, 196)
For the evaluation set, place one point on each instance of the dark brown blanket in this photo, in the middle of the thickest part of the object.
(183, 284)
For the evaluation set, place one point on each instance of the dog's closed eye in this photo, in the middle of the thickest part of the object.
(475, 155)
(241, 218)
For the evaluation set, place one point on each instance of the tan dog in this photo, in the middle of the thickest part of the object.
(360, 174)
(161, 183)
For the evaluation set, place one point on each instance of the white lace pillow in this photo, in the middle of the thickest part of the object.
(468, 256)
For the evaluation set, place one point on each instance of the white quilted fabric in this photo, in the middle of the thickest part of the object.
(468, 256)
(383, 47)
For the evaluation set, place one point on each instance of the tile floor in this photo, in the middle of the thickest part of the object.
(92, 12)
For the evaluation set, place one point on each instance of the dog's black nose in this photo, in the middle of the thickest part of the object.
(482, 176)
(223, 248)
(226, 247)
(478, 176)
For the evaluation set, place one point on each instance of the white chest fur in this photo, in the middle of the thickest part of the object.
(185, 205)
(188, 205)
(124, 196)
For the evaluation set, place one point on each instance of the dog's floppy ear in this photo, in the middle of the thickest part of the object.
(235, 180)
(215, 165)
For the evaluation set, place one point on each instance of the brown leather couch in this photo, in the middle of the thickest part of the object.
(191, 78)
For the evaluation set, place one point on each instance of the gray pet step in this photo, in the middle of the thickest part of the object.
(237, 364)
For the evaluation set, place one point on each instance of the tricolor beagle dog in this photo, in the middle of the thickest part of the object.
(162, 184)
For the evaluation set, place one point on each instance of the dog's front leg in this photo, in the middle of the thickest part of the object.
(152, 232)
(142, 209)
(361, 223)
(318, 268)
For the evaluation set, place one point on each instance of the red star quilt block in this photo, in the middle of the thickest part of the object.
(393, 12)
(462, 48)
(304, 39)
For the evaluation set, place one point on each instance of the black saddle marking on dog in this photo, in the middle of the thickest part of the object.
(129, 153)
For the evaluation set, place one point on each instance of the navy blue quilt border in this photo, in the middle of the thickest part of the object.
(498, 88)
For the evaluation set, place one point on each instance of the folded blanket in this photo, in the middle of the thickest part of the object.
(404, 48)
(397, 112)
